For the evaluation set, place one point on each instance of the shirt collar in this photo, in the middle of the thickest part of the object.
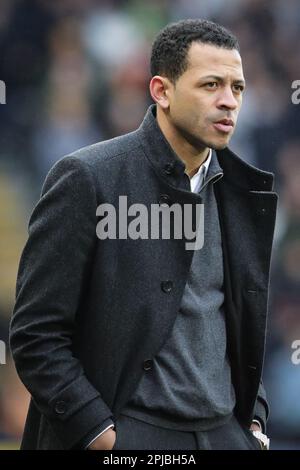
(198, 178)
(210, 167)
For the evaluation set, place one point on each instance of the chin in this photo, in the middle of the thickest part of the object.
(219, 145)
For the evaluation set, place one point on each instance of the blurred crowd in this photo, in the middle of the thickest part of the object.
(77, 72)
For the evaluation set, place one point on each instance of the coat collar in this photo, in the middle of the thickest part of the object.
(168, 164)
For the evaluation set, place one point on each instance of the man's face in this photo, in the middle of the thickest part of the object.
(206, 99)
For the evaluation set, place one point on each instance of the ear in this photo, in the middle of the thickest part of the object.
(160, 90)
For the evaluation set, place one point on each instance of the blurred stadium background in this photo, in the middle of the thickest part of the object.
(76, 72)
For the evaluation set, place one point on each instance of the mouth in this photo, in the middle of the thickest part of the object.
(224, 125)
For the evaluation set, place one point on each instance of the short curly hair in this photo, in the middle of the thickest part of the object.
(171, 45)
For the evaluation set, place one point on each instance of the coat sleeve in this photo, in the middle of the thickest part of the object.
(52, 276)
(261, 410)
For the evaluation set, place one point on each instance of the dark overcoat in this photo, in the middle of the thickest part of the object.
(91, 314)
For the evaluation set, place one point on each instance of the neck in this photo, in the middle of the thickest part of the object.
(191, 157)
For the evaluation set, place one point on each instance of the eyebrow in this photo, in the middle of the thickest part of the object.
(221, 79)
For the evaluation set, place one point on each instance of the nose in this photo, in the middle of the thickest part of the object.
(227, 100)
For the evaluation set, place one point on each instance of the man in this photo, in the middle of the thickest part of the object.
(141, 343)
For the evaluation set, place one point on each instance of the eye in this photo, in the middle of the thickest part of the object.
(211, 85)
(238, 88)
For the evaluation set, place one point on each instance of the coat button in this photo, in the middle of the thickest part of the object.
(147, 365)
(166, 286)
(263, 211)
(169, 168)
(60, 407)
(165, 199)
